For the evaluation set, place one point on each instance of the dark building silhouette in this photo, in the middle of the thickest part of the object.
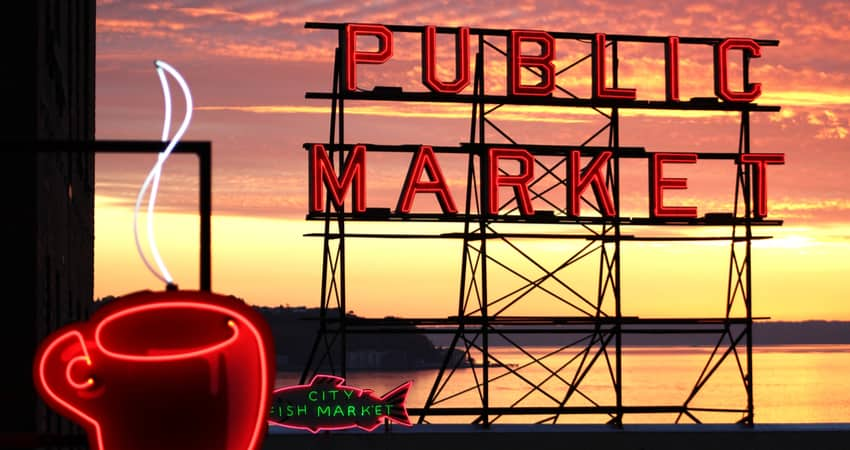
(48, 211)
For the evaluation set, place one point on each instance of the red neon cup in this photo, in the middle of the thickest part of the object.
(173, 369)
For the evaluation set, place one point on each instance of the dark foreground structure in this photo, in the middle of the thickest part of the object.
(545, 437)
(48, 220)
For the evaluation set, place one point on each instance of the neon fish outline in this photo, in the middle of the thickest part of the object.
(391, 405)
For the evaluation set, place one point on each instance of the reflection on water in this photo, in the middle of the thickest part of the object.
(793, 384)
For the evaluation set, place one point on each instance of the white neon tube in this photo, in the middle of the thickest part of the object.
(153, 178)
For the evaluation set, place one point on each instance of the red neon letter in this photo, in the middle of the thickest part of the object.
(322, 172)
(518, 182)
(598, 76)
(657, 184)
(429, 61)
(353, 57)
(721, 76)
(671, 63)
(760, 162)
(543, 62)
(427, 161)
(592, 177)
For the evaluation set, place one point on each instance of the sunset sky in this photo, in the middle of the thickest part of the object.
(249, 64)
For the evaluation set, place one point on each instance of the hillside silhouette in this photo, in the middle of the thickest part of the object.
(765, 333)
(295, 329)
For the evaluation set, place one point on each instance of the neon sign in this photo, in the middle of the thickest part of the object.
(531, 79)
(540, 65)
(175, 369)
(582, 178)
(328, 404)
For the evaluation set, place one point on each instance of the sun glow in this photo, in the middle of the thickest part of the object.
(270, 262)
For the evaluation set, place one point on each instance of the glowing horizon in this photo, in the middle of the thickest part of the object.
(246, 263)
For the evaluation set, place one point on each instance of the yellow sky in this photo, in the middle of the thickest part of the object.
(269, 262)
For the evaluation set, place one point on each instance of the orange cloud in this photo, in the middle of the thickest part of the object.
(438, 111)
(789, 206)
(808, 98)
(527, 114)
(700, 8)
(262, 17)
(137, 26)
(104, 25)
(831, 126)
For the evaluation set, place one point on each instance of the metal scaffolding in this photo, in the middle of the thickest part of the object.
(590, 321)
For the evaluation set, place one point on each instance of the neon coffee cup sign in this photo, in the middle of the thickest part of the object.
(175, 369)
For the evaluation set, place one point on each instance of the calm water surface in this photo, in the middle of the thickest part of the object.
(799, 384)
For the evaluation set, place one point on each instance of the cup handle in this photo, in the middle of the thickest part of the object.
(63, 374)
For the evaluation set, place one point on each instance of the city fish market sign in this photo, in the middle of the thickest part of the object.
(531, 73)
(326, 403)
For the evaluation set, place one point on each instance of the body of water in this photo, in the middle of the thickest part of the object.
(792, 384)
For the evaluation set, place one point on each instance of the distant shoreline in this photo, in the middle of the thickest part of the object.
(416, 349)
(824, 348)
(815, 332)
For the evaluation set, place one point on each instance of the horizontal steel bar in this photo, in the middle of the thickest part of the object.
(393, 94)
(528, 410)
(542, 150)
(466, 236)
(708, 219)
(403, 148)
(466, 148)
(377, 236)
(476, 329)
(543, 320)
(104, 146)
(689, 238)
(555, 34)
(472, 236)
(541, 217)
(561, 150)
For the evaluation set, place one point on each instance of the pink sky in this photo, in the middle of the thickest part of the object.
(249, 64)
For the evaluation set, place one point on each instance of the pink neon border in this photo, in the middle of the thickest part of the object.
(339, 383)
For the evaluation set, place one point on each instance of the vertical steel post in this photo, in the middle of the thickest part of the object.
(205, 200)
(340, 265)
(618, 337)
(485, 218)
(748, 297)
(324, 300)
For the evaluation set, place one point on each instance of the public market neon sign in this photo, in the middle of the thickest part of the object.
(529, 74)
(353, 178)
(541, 62)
